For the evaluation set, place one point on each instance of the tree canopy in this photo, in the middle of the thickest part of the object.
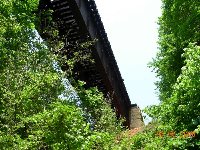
(177, 68)
(38, 107)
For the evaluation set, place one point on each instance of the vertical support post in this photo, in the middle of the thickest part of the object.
(135, 115)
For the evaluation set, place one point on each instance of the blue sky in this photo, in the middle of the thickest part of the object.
(132, 31)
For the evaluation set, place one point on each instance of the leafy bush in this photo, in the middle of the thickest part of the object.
(37, 108)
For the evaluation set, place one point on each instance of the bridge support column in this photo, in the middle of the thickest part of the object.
(136, 119)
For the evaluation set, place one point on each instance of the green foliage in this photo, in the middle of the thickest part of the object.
(177, 66)
(179, 25)
(38, 109)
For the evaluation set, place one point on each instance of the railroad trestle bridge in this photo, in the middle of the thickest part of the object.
(81, 22)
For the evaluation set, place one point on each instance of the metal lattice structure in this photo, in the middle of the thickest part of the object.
(81, 22)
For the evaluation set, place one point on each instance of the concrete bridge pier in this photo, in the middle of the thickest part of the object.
(135, 117)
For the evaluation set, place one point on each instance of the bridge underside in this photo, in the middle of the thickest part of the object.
(79, 22)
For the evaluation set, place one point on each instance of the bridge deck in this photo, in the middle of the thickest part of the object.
(80, 22)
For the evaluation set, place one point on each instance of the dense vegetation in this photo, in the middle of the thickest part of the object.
(39, 109)
(176, 120)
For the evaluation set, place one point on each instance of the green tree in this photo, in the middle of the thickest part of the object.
(37, 108)
(177, 68)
